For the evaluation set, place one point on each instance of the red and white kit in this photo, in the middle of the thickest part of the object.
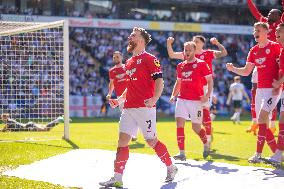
(140, 71)
(118, 75)
(188, 102)
(265, 59)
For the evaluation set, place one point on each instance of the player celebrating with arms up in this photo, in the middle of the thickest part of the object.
(207, 56)
(264, 56)
(144, 88)
(189, 89)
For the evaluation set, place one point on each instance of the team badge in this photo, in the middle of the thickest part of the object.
(139, 61)
(194, 66)
(157, 62)
(202, 57)
(267, 51)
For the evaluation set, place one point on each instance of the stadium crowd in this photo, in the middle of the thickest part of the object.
(101, 43)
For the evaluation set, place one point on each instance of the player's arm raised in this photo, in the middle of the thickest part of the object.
(172, 54)
(222, 50)
(254, 11)
(176, 90)
(243, 71)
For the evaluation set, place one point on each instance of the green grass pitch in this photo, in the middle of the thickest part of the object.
(231, 145)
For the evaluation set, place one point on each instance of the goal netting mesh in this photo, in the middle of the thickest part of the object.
(34, 81)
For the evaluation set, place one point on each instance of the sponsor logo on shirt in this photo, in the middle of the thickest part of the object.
(186, 74)
(131, 72)
(260, 60)
(120, 76)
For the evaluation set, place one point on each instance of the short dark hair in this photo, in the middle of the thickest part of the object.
(202, 38)
(146, 36)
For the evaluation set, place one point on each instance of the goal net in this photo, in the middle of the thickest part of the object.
(34, 77)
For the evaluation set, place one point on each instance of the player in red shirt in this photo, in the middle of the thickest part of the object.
(117, 79)
(274, 18)
(117, 76)
(277, 157)
(206, 55)
(264, 56)
(190, 95)
(143, 89)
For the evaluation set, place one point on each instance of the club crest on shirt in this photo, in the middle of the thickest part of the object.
(120, 76)
(202, 57)
(267, 51)
(131, 72)
(157, 62)
(186, 74)
(138, 61)
(194, 66)
(260, 60)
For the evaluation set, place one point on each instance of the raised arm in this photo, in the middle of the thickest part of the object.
(172, 54)
(222, 50)
(254, 11)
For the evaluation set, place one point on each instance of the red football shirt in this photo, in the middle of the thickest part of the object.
(266, 61)
(118, 75)
(141, 85)
(208, 57)
(192, 75)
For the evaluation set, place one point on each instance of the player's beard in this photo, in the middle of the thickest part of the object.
(116, 62)
(131, 46)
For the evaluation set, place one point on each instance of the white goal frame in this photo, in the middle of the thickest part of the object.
(25, 27)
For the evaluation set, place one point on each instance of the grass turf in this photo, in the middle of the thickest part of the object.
(231, 145)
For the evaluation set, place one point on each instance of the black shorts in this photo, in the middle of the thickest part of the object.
(237, 103)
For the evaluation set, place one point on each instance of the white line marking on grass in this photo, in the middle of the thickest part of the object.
(86, 168)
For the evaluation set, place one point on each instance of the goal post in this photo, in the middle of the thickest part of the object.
(34, 75)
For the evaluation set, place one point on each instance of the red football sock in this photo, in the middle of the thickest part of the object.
(202, 135)
(274, 114)
(280, 142)
(253, 113)
(261, 137)
(206, 121)
(270, 140)
(162, 152)
(180, 138)
(122, 156)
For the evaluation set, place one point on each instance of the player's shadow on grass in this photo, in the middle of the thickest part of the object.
(278, 173)
(214, 155)
(221, 133)
(209, 166)
(135, 145)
